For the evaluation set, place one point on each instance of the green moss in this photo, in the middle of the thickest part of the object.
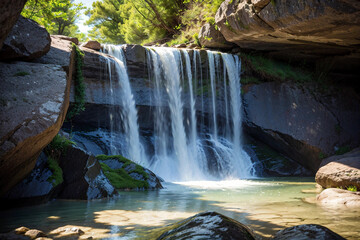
(120, 178)
(342, 150)
(57, 177)
(21, 74)
(268, 69)
(196, 39)
(59, 143)
(322, 155)
(249, 80)
(79, 98)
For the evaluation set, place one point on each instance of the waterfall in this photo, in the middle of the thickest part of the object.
(211, 59)
(192, 101)
(233, 67)
(128, 113)
(185, 145)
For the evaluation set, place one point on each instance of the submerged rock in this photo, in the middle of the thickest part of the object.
(307, 232)
(27, 40)
(336, 198)
(207, 225)
(340, 171)
(34, 233)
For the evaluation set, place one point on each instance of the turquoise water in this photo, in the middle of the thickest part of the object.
(266, 205)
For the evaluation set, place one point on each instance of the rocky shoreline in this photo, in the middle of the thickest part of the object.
(205, 225)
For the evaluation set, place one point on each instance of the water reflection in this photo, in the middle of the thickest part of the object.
(266, 205)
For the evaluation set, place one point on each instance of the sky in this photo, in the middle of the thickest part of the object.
(80, 23)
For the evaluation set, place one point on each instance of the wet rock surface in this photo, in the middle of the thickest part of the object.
(10, 12)
(340, 171)
(83, 177)
(26, 41)
(36, 185)
(295, 122)
(307, 231)
(338, 198)
(207, 225)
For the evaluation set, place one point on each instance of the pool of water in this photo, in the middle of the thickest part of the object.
(265, 205)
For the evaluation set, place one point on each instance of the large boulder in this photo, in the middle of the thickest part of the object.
(83, 177)
(207, 225)
(336, 198)
(308, 232)
(26, 41)
(302, 123)
(210, 37)
(34, 102)
(298, 30)
(340, 171)
(265, 24)
(92, 44)
(9, 13)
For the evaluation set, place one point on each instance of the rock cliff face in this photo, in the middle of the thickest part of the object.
(308, 32)
(298, 121)
(34, 102)
(301, 124)
(295, 24)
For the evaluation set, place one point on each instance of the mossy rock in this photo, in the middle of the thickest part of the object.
(123, 173)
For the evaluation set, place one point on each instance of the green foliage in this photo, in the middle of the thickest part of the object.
(120, 178)
(134, 21)
(21, 74)
(352, 188)
(249, 80)
(142, 21)
(274, 70)
(58, 146)
(57, 177)
(342, 150)
(196, 39)
(57, 16)
(79, 103)
(322, 155)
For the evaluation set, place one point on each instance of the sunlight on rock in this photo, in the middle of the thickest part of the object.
(144, 217)
(53, 217)
(79, 232)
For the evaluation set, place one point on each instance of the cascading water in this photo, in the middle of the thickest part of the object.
(185, 145)
(128, 113)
